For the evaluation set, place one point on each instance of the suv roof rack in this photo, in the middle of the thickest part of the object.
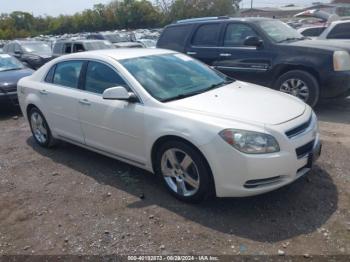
(210, 18)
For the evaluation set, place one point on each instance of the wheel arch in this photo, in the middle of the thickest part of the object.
(30, 106)
(287, 68)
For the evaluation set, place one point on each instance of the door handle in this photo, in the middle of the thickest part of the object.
(191, 53)
(225, 54)
(43, 92)
(84, 102)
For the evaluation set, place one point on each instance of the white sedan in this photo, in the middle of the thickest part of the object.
(167, 113)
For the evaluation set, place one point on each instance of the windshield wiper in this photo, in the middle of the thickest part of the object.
(10, 69)
(214, 86)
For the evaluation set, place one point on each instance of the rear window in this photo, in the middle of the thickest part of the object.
(175, 37)
(341, 31)
(207, 35)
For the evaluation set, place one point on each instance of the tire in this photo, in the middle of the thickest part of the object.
(189, 180)
(40, 129)
(300, 84)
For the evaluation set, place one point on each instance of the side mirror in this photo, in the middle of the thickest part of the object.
(253, 41)
(119, 93)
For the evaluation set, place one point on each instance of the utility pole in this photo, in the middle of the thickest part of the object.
(251, 4)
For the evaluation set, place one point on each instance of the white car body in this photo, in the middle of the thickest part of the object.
(128, 131)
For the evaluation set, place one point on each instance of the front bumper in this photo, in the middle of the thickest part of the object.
(240, 175)
(335, 84)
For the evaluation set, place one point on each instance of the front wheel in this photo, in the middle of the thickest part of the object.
(300, 84)
(184, 171)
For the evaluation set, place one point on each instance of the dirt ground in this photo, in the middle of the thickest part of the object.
(71, 201)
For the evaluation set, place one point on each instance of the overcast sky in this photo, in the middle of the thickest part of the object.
(56, 7)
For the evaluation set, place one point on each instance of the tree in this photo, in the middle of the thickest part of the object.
(117, 14)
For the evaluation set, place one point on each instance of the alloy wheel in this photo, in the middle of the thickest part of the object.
(38, 127)
(296, 87)
(180, 172)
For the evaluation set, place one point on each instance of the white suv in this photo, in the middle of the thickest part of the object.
(167, 113)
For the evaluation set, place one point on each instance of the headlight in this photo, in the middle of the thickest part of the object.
(341, 61)
(250, 142)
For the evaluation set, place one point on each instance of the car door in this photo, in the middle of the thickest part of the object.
(60, 95)
(112, 126)
(246, 63)
(204, 43)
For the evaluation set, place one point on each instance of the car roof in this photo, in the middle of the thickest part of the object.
(80, 41)
(120, 53)
(220, 19)
(29, 42)
(340, 22)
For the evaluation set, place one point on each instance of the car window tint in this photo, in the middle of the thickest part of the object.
(68, 48)
(175, 37)
(67, 73)
(49, 76)
(341, 31)
(207, 35)
(78, 48)
(57, 49)
(313, 32)
(99, 77)
(236, 34)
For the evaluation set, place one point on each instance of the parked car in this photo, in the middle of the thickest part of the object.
(337, 30)
(32, 53)
(118, 40)
(11, 70)
(63, 47)
(267, 52)
(170, 114)
(312, 31)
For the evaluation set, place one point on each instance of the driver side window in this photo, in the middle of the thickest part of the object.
(99, 77)
(236, 34)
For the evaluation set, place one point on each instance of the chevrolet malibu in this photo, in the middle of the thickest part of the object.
(167, 113)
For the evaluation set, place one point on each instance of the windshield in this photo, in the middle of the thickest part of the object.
(98, 45)
(8, 62)
(173, 76)
(279, 31)
(40, 48)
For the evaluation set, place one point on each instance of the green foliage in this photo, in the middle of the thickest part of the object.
(118, 14)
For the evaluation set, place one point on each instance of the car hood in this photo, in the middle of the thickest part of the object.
(331, 45)
(244, 102)
(13, 76)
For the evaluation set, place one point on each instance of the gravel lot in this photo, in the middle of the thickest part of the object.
(72, 201)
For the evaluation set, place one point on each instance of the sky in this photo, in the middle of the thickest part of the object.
(67, 7)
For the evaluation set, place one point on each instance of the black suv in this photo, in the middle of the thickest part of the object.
(32, 53)
(267, 52)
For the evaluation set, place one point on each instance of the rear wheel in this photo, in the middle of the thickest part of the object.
(184, 171)
(300, 84)
(40, 129)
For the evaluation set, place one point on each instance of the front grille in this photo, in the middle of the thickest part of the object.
(299, 129)
(262, 182)
(10, 88)
(305, 149)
